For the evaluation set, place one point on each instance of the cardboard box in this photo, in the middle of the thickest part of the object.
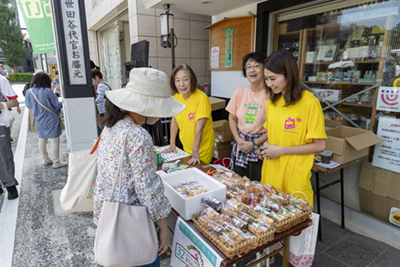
(223, 137)
(327, 94)
(220, 146)
(348, 143)
(216, 103)
(379, 191)
(222, 126)
(220, 154)
(186, 207)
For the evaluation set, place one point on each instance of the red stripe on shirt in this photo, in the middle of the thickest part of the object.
(12, 97)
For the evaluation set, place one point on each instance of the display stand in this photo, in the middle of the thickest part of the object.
(317, 169)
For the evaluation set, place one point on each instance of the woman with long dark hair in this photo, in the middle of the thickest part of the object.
(45, 105)
(296, 127)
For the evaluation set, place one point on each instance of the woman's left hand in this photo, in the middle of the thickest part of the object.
(195, 158)
(164, 241)
(246, 146)
(271, 151)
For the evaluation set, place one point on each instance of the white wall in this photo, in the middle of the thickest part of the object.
(224, 83)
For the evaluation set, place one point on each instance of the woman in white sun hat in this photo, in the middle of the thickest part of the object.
(146, 99)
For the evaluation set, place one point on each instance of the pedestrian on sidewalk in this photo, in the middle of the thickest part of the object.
(8, 99)
(45, 105)
(145, 99)
(55, 85)
(101, 88)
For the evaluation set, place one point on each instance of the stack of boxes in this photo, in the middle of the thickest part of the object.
(223, 139)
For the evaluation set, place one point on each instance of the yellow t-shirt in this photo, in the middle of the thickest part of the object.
(198, 106)
(294, 125)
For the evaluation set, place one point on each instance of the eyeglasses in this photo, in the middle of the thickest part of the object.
(256, 66)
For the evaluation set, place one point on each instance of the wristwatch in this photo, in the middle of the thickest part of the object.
(254, 144)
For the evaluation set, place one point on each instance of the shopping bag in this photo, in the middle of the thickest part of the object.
(7, 116)
(31, 122)
(302, 246)
(82, 168)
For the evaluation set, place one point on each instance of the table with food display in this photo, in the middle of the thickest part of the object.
(224, 218)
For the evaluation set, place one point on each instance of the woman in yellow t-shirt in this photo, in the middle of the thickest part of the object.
(194, 123)
(295, 125)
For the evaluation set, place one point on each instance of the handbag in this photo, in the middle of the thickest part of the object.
(82, 167)
(125, 235)
(31, 122)
(49, 110)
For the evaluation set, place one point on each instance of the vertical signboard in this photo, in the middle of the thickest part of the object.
(73, 41)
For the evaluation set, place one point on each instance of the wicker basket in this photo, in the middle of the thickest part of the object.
(290, 222)
(238, 250)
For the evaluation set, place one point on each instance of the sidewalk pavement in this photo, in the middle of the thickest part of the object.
(36, 231)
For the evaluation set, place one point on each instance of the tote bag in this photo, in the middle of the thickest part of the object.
(82, 167)
(125, 235)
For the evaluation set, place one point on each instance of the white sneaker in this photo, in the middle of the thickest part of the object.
(59, 164)
(47, 162)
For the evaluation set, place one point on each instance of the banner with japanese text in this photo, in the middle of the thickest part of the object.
(37, 16)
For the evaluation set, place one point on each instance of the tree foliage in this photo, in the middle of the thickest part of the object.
(11, 38)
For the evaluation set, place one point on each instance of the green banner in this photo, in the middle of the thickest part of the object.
(37, 16)
(228, 47)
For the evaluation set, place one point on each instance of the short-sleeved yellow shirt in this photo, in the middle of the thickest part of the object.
(198, 106)
(294, 125)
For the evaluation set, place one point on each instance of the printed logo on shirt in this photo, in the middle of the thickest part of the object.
(289, 124)
(251, 112)
(192, 116)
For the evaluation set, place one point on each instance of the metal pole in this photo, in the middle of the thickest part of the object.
(172, 48)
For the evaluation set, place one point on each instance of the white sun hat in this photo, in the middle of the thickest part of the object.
(148, 93)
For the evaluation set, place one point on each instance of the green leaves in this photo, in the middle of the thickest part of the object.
(11, 40)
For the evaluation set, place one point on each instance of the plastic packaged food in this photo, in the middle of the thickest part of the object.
(211, 213)
(258, 229)
(213, 203)
(298, 202)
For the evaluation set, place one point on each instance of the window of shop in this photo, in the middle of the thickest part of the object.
(348, 54)
(110, 58)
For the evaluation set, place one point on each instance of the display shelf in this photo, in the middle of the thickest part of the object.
(331, 62)
(357, 105)
(334, 122)
(289, 33)
(339, 83)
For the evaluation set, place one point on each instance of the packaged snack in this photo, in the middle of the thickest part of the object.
(239, 223)
(216, 228)
(213, 203)
(245, 217)
(265, 220)
(298, 202)
(281, 198)
(211, 213)
(229, 242)
(257, 229)
(277, 217)
(272, 205)
(205, 221)
(237, 235)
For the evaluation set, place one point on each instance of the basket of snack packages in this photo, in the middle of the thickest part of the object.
(231, 228)
(265, 201)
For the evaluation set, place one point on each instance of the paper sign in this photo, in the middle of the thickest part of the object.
(190, 250)
(387, 153)
(215, 57)
(388, 99)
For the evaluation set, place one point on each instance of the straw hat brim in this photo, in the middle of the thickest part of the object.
(149, 106)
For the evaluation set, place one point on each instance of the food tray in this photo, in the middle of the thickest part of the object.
(186, 207)
(238, 250)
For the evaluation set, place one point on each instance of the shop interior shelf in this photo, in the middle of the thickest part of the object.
(290, 33)
(334, 122)
(331, 62)
(352, 104)
(340, 83)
